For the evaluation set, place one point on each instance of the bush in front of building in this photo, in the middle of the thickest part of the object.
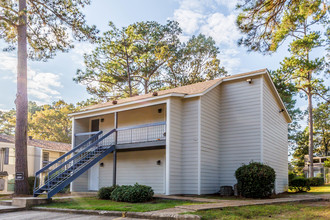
(291, 176)
(105, 192)
(136, 193)
(31, 184)
(255, 180)
(316, 181)
(300, 184)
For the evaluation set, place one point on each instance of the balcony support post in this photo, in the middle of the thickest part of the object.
(114, 179)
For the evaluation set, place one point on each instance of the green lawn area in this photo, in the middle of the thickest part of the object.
(318, 190)
(315, 210)
(93, 203)
(314, 190)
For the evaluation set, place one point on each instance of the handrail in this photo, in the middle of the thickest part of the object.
(68, 153)
(81, 152)
(63, 163)
(142, 126)
(86, 133)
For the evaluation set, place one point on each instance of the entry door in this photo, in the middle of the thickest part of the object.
(93, 172)
(95, 125)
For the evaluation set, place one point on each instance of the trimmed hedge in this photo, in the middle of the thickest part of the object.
(136, 193)
(300, 184)
(105, 192)
(316, 181)
(255, 180)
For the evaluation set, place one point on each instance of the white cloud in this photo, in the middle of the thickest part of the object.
(215, 18)
(222, 29)
(77, 54)
(230, 4)
(189, 20)
(42, 86)
(229, 60)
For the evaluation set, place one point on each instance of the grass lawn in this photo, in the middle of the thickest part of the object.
(320, 189)
(93, 203)
(315, 210)
(316, 190)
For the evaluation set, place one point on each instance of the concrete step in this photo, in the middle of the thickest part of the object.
(6, 202)
(6, 208)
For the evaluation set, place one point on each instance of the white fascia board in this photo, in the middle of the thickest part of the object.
(223, 80)
(126, 104)
(278, 97)
(206, 91)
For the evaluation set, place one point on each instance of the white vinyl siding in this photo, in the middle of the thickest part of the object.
(189, 161)
(173, 146)
(135, 167)
(275, 139)
(210, 141)
(239, 127)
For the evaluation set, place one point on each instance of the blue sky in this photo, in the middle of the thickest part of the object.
(52, 80)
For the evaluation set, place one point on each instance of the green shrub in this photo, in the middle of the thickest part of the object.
(291, 176)
(255, 180)
(316, 181)
(31, 184)
(136, 193)
(300, 184)
(327, 162)
(105, 192)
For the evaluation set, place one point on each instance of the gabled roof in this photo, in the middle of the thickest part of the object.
(193, 89)
(197, 89)
(48, 145)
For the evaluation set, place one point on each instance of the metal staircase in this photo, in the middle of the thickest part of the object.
(57, 175)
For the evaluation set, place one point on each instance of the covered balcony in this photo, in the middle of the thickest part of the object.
(142, 128)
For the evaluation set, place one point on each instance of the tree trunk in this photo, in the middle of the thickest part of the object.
(146, 86)
(128, 73)
(21, 186)
(310, 124)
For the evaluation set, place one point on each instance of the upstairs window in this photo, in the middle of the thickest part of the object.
(45, 158)
(6, 159)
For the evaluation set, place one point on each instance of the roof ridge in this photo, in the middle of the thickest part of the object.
(186, 90)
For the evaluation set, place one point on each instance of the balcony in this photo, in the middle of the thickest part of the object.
(133, 137)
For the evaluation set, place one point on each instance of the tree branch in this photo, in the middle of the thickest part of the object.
(8, 21)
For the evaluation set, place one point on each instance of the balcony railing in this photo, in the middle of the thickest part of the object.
(142, 133)
(131, 135)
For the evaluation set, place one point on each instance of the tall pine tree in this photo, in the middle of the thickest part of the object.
(267, 24)
(37, 28)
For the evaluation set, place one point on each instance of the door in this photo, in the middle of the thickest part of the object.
(93, 172)
(95, 125)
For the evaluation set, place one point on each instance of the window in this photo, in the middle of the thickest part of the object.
(6, 159)
(45, 158)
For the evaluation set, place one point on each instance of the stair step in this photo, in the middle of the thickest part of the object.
(40, 193)
(6, 202)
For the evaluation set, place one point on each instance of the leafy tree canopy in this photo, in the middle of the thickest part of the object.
(303, 26)
(147, 56)
(48, 22)
(45, 122)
